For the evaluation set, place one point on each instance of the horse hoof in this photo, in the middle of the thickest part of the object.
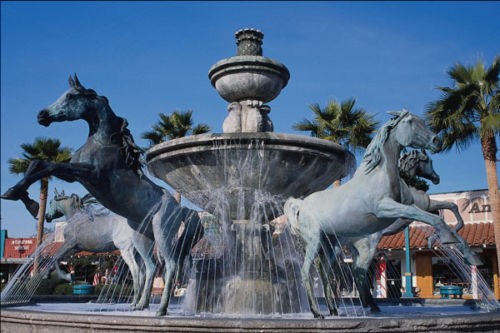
(319, 316)
(160, 313)
(139, 307)
(12, 194)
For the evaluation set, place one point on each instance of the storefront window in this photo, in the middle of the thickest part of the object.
(446, 272)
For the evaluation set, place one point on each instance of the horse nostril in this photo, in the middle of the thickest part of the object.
(43, 117)
(436, 141)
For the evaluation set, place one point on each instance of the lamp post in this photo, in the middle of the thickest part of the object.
(408, 282)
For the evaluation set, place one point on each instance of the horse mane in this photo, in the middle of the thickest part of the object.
(130, 151)
(373, 151)
(84, 205)
(409, 160)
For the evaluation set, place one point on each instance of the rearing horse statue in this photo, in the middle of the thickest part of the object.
(108, 165)
(369, 202)
(413, 163)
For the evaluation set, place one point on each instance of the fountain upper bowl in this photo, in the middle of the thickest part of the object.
(248, 78)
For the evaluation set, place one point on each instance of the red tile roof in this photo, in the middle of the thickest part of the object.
(474, 233)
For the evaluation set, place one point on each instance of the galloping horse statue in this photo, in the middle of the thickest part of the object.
(369, 202)
(108, 165)
(100, 232)
(413, 163)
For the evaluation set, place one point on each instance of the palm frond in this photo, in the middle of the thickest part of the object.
(46, 149)
(490, 125)
(176, 125)
(340, 123)
(18, 165)
(201, 128)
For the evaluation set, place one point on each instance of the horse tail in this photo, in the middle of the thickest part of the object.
(292, 210)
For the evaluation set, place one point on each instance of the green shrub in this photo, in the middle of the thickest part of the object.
(64, 289)
(48, 286)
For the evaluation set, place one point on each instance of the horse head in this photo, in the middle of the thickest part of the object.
(411, 131)
(57, 207)
(425, 168)
(76, 103)
(63, 205)
(418, 163)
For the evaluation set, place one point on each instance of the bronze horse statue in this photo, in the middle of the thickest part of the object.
(369, 202)
(108, 165)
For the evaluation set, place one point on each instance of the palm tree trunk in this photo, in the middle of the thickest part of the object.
(44, 188)
(489, 147)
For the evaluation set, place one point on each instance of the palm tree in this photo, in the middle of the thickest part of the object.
(340, 123)
(176, 125)
(46, 149)
(470, 110)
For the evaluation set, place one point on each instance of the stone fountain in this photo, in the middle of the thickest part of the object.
(250, 171)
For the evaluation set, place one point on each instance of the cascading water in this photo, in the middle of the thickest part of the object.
(23, 285)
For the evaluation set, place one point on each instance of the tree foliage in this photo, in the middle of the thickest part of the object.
(176, 125)
(46, 149)
(341, 123)
(470, 109)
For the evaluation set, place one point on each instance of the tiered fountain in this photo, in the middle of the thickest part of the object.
(244, 176)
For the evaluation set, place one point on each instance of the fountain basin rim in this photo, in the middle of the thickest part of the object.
(241, 139)
(25, 320)
(248, 64)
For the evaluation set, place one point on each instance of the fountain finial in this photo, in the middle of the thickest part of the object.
(247, 81)
(249, 42)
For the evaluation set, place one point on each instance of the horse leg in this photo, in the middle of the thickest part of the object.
(169, 269)
(388, 208)
(39, 169)
(144, 246)
(322, 264)
(310, 254)
(166, 222)
(462, 245)
(365, 249)
(436, 205)
(129, 258)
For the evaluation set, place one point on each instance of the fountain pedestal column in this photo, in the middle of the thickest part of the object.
(258, 285)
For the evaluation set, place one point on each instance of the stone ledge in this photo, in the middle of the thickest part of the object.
(34, 321)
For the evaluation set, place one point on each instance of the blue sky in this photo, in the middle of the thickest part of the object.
(151, 57)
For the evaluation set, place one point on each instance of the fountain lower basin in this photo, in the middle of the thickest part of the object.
(63, 317)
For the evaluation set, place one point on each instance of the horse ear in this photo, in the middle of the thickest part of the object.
(78, 85)
(75, 200)
(394, 113)
(424, 152)
(62, 193)
(56, 194)
(71, 82)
